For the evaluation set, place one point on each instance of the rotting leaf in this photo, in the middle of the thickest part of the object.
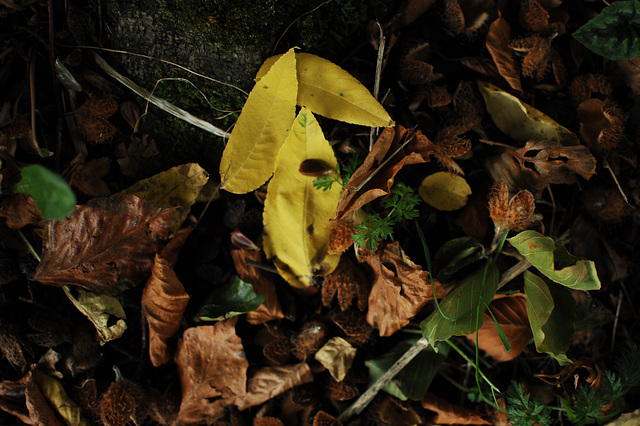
(269, 382)
(445, 191)
(400, 290)
(58, 398)
(497, 43)
(229, 301)
(19, 210)
(336, 355)
(177, 188)
(451, 414)
(103, 244)
(262, 127)
(555, 163)
(347, 281)
(556, 262)
(511, 313)
(213, 372)
(296, 215)
(87, 177)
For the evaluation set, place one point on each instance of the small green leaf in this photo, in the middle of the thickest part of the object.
(463, 303)
(556, 262)
(551, 311)
(414, 379)
(52, 195)
(614, 33)
(229, 301)
(454, 252)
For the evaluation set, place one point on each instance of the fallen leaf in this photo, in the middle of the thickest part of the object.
(269, 382)
(347, 281)
(19, 210)
(296, 215)
(336, 355)
(451, 414)
(400, 290)
(87, 177)
(511, 313)
(601, 124)
(24, 400)
(103, 244)
(393, 149)
(213, 372)
(521, 121)
(583, 372)
(498, 39)
(58, 399)
(129, 158)
(248, 159)
(177, 188)
(445, 191)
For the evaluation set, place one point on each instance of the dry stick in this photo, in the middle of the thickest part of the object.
(376, 84)
(369, 394)
(615, 179)
(159, 102)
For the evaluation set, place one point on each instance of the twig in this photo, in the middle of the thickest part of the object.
(159, 102)
(615, 179)
(372, 391)
(296, 20)
(513, 272)
(615, 322)
(376, 84)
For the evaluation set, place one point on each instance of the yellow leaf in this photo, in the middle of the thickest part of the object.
(330, 91)
(296, 215)
(58, 398)
(177, 187)
(522, 121)
(263, 124)
(445, 191)
(336, 356)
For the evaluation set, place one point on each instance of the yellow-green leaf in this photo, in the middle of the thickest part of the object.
(177, 187)
(522, 121)
(262, 127)
(296, 215)
(330, 91)
(445, 191)
(58, 398)
(98, 307)
(336, 356)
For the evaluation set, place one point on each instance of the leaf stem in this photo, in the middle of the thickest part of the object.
(29, 246)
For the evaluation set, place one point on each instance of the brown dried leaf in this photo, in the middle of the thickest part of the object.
(451, 414)
(556, 163)
(87, 177)
(515, 214)
(24, 400)
(103, 244)
(584, 372)
(213, 371)
(262, 282)
(601, 124)
(400, 290)
(498, 39)
(268, 382)
(374, 178)
(349, 282)
(511, 313)
(533, 16)
(20, 210)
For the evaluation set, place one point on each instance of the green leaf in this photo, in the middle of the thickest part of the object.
(614, 33)
(229, 301)
(415, 378)
(463, 303)
(454, 252)
(52, 195)
(556, 262)
(551, 311)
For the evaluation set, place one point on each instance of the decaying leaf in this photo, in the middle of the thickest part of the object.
(452, 414)
(400, 290)
(261, 129)
(269, 382)
(87, 177)
(583, 372)
(348, 282)
(213, 372)
(445, 191)
(130, 157)
(498, 39)
(24, 400)
(58, 399)
(19, 210)
(336, 356)
(103, 244)
(511, 313)
(177, 188)
(515, 214)
(296, 215)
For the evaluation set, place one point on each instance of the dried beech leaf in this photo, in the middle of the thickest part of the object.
(400, 290)
(336, 356)
(556, 163)
(24, 400)
(164, 301)
(213, 371)
(498, 39)
(20, 210)
(39, 409)
(57, 397)
(87, 177)
(511, 313)
(451, 414)
(268, 382)
(101, 244)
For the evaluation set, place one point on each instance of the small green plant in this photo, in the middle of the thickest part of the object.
(523, 409)
(326, 182)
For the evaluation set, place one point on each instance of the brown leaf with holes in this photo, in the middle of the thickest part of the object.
(348, 282)
(213, 371)
(400, 290)
(555, 163)
(20, 210)
(104, 246)
(269, 382)
(511, 313)
(451, 414)
(498, 39)
(395, 148)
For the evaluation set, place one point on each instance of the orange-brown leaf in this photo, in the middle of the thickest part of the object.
(451, 414)
(498, 39)
(268, 382)
(400, 290)
(104, 244)
(556, 163)
(20, 210)
(213, 371)
(511, 313)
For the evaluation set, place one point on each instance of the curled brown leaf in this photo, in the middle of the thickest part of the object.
(498, 39)
(268, 382)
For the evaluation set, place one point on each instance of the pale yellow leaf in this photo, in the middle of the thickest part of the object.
(445, 191)
(177, 187)
(522, 121)
(58, 399)
(296, 215)
(336, 356)
(332, 92)
(263, 124)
